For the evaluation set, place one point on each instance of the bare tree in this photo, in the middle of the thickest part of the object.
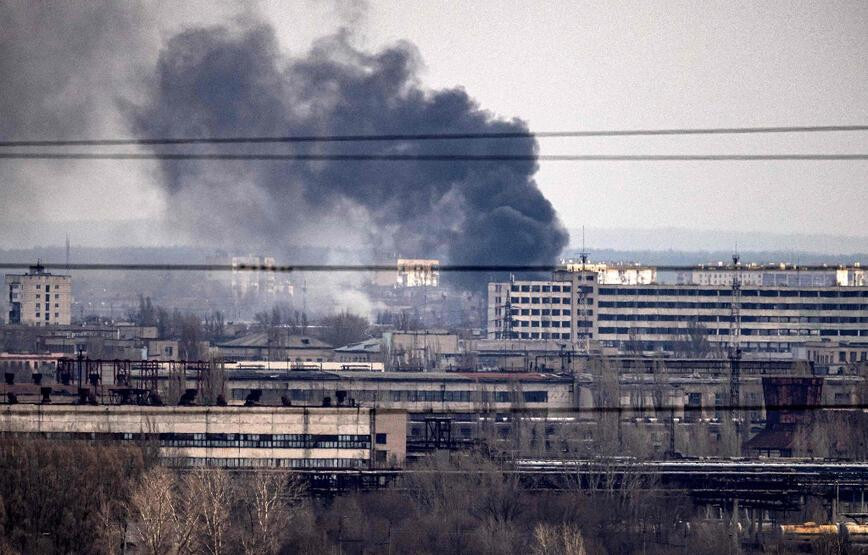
(268, 503)
(153, 508)
(565, 539)
(344, 328)
(111, 526)
(693, 341)
(214, 382)
(212, 493)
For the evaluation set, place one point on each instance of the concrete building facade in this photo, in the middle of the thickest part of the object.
(834, 357)
(39, 298)
(418, 272)
(574, 305)
(610, 274)
(234, 437)
(771, 277)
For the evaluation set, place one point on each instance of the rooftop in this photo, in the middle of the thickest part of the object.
(262, 339)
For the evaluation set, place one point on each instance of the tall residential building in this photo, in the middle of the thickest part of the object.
(622, 274)
(573, 306)
(39, 298)
(418, 272)
(770, 277)
(253, 276)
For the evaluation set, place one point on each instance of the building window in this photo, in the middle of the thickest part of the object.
(536, 396)
(381, 439)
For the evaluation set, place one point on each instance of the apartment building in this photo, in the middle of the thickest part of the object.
(621, 274)
(416, 272)
(39, 298)
(574, 306)
(253, 276)
(770, 277)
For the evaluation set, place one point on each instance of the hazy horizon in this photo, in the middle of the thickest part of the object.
(582, 67)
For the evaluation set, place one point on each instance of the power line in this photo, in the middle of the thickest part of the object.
(287, 268)
(431, 157)
(440, 136)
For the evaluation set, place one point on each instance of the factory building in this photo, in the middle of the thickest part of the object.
(834, 357)
(39, 298)
(417, 392)
(574, 306)
(233, 437)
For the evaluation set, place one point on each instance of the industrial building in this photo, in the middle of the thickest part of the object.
(39, 298)
(233, 436)
(834, 357)
(573, 307)
(279, 346)
(411, 391)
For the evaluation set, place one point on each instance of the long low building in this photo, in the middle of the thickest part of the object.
(573, 307)
(231, 436)
(410, 391)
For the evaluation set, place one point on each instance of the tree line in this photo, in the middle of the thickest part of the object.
(83, 497)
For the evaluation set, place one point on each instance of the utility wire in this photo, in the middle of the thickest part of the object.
(287, 268)
(432, 157)
(440, 136)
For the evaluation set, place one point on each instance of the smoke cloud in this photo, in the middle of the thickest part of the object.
(103, 69)
(223, 82)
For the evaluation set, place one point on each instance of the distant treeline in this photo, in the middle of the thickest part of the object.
(78, 497)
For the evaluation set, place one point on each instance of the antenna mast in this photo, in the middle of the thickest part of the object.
(582, 331)
(735, 333)
(506, 332)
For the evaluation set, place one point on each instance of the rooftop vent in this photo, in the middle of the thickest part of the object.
(188, 398)
(253, 397)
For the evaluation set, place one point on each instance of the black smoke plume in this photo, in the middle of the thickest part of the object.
(221, 82)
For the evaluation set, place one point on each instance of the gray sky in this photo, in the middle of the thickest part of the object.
(585, 66)
(579, 65)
